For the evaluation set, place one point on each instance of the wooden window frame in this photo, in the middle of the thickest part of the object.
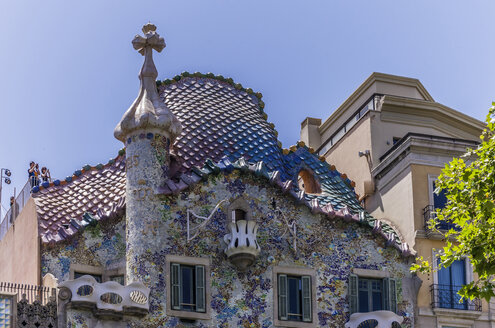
(294, 271)
(189, 261)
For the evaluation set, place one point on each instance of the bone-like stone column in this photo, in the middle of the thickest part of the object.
(147, 129)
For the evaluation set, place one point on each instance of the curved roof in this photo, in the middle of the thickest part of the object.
(224, 128)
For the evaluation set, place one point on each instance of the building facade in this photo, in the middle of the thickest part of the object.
(204, 220)
(394, 139)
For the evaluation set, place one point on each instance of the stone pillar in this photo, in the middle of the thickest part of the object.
(147, 129)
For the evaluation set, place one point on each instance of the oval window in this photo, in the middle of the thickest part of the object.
(85, 290)
(138, 297)
(111, 298)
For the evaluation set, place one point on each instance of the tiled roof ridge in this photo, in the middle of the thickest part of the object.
(221, 78)
(78, 173)
(197, 174)
(311, 150)
(76, 225)
(227, 81)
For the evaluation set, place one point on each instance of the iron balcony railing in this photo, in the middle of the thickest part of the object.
(11, 215)
(32, 292)
(447, 297)
(430, 213)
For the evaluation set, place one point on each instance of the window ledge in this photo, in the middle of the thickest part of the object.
(463, 314)
(189, 315)
(294, 324)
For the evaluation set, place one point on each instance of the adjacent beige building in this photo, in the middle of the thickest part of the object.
(393, 139)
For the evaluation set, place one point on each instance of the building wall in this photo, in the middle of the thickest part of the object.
(426, 246)
(332, 247)
(386, 125)
(101, 244)
(20, 249)
(394, 203)
(344, 155)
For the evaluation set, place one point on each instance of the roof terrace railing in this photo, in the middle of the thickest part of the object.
(20, 201)
(32, 292)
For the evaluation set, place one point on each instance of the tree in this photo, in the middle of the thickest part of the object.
(470, 186)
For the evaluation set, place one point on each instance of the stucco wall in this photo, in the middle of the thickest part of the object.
(344, 155)
(332, 247)
(393, 202)
(398, 122)
(20, 249)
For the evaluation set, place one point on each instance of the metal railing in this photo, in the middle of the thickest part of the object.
(430, 213)
(32, 292)
(20, 201)
(447, 297)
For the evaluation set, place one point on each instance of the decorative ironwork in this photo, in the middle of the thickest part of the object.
(447, 297)
(430, 213)
(37, 314)
(195, 230)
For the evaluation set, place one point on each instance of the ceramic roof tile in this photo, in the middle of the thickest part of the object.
(221, 124)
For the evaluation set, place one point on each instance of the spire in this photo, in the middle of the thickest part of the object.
(148, 113)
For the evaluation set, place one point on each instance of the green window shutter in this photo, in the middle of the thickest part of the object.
(306, 298)
(200, 289)
(353, 293)
(175, 284)
(393, 295)
(282, 297)
(386, 294)
(390, 294)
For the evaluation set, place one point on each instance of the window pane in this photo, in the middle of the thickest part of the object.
(363, 301)
(440, 200)
(294, 284)
(377, 301)
(120, 279)
(80, 274)
(6, 311)
(187, 288)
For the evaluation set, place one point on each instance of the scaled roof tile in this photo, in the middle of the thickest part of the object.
(222, 125)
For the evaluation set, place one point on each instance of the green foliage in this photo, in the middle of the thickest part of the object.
(470, 186)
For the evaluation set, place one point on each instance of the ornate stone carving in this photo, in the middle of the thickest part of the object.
(385, 319)
(108, 296)
(242, 247)
(148, 112)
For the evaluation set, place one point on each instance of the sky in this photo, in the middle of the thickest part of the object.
(68, 71)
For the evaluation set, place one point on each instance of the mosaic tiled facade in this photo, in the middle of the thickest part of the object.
(204, 141)
(332, 246)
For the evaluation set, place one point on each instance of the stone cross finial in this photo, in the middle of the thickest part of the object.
(148, 113)
(150, 39)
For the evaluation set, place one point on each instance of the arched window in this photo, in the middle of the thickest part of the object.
(239, 214)
(307, 182)
(239, 210)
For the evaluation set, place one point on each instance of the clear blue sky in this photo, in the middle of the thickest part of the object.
(68, 70)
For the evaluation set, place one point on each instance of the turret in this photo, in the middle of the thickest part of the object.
(148, 129)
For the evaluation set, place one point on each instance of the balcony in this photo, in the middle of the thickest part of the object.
(9, 218)
(375, 319)
(446, 297)
(430, 213)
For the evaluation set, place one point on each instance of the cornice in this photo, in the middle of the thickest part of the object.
(429, 109)
(374, 77)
